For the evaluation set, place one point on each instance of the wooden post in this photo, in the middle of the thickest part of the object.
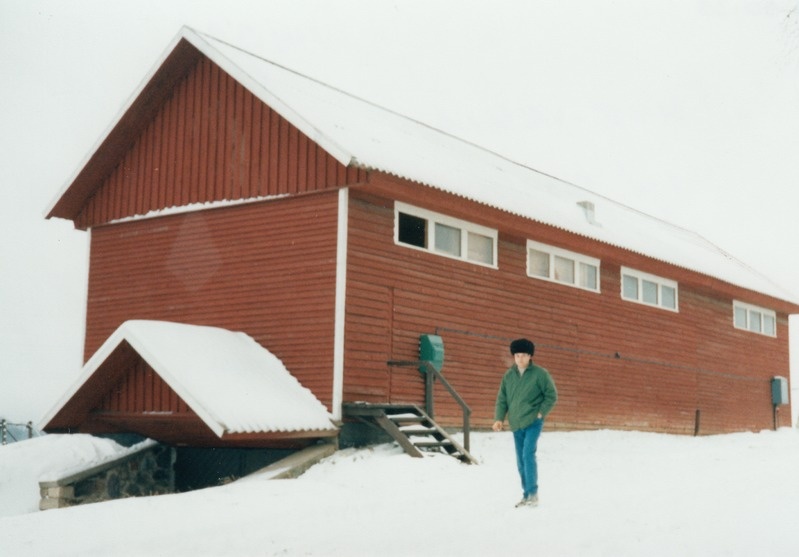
(429, 379)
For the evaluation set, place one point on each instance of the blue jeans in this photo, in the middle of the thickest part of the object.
(526, 441)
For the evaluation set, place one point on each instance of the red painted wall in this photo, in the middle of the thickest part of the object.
(211, 141)
(265, 268)
(670, 364)
(268, 268)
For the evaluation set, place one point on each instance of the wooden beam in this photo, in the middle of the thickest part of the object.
(396, 433)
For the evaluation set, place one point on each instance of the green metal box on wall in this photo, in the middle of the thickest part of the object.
(431, 349)
(779, 390)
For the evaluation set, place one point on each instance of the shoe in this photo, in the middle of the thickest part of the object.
(529, 501)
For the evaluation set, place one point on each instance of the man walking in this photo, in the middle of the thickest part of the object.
(526, 395)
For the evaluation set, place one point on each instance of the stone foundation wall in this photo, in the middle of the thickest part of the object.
(146, 471)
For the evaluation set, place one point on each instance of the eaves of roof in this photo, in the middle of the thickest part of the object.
(359, 132)
(233, 384)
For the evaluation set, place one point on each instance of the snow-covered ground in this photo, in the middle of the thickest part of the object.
(602, 493)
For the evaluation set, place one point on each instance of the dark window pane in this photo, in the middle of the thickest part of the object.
(412, 230)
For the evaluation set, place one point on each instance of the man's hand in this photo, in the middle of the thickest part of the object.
(497, 426)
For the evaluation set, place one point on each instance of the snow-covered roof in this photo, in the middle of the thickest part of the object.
(358, 132)
(229, 380)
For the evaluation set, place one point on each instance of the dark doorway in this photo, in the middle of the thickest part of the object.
(197, 468)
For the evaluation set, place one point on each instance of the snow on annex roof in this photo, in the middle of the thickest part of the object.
(230, 381)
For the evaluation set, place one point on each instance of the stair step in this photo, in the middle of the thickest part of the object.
(431, 444)
(404, 421)
(419, 431)
(399, 420)
(408, 424)
(400, 410)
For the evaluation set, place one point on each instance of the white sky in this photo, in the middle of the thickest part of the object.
(685, 109)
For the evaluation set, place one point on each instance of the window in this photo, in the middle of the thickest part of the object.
(559, 265)
(445, 235)
(648, 289)
(412, 230)
(754, 319)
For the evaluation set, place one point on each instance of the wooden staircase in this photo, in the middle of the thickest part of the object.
(411, 427)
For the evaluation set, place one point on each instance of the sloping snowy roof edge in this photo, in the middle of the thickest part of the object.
(363, 133)
(376, 137)
(230, 381)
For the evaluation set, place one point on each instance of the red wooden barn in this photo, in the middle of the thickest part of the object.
(235, 194)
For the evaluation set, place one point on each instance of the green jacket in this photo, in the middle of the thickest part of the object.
(522, 397)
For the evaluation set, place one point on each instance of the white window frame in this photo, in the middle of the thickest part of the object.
(432, 219)
(749, 325)
(660, 282)
(575, 257)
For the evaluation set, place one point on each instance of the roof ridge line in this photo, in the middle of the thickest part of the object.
(451, 135)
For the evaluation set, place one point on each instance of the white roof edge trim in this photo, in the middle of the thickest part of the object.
(201, 42)
(115, 121)
(216, 49)
(126, 332)
(196, 207)
(89, 368)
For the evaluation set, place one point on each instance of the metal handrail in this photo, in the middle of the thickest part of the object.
(431, 374)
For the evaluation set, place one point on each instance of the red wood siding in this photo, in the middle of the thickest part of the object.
(266, 268)
(669, 365)
(140, 391)
(212, 140)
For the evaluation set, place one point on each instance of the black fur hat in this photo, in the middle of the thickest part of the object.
(522, 345)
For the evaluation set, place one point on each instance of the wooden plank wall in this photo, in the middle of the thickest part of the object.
(142, 390)
(212, 140)
(266, 268)
(669, 365)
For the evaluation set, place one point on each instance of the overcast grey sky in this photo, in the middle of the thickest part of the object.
(685, 109)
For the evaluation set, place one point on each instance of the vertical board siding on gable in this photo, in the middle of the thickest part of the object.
(141, 390)
(265, 268)
(669, 365)
(211, 141)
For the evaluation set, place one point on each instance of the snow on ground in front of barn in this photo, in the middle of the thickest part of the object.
(602, 493)
(23, 464)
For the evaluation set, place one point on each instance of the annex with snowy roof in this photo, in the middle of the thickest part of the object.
(190, 385)
(264, 245)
